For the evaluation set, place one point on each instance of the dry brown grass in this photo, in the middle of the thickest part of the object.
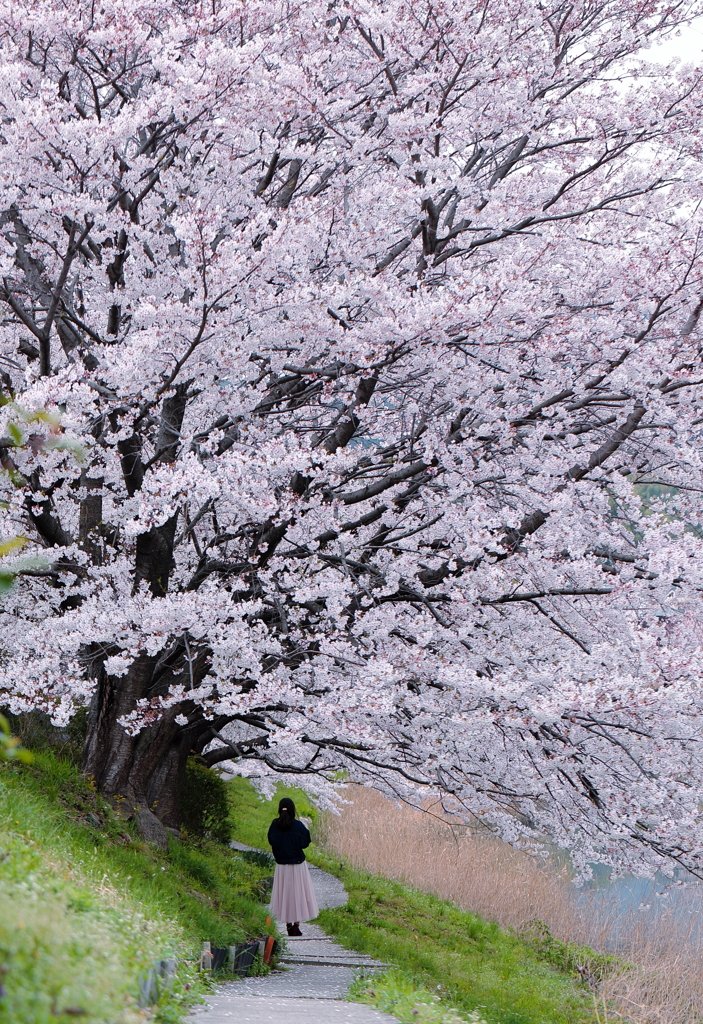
(479, 873)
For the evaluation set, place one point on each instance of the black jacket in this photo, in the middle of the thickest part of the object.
(288, 846)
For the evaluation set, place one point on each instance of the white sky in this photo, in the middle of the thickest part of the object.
(687, 45)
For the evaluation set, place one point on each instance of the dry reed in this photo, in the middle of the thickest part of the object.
(478, 873)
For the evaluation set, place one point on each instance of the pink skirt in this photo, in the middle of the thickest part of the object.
(293, 898)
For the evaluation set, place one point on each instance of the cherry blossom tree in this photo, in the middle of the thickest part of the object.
(376, 328)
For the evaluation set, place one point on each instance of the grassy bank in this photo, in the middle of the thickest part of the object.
(86, 907)
(443, 958)
(472, 963)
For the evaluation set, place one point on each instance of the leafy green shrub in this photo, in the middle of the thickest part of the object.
(204, 805)
(36, 732)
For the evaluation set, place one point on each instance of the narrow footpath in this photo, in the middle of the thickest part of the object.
(310, 984)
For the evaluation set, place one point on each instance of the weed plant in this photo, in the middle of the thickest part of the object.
(398, 993)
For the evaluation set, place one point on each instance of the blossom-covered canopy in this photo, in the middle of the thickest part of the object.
(352, 376)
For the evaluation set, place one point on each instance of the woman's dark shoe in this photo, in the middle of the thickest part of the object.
(294, 930)
(290, 929)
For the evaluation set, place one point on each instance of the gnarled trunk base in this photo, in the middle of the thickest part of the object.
(144, 773)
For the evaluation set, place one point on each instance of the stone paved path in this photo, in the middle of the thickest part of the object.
(310, 985)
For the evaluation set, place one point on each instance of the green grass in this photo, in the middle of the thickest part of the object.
(86, 907)
(400, 994)
(445, 961)
(472, 963)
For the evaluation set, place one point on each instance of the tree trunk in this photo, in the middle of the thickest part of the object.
(144, 773)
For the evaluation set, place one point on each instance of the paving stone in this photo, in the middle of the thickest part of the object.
(266, 1010)
(329, 890)
(325, 951)
(309, 982)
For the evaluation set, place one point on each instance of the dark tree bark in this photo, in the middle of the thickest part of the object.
(144, 773)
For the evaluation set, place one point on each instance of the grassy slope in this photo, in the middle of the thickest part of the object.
(86, 908)
(477, 964)
(434, 946)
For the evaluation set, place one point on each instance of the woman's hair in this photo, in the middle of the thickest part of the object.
(286, 813)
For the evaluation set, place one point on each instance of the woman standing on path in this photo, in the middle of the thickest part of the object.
(292, 899)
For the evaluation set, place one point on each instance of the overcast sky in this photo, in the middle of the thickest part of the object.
(688, 45)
